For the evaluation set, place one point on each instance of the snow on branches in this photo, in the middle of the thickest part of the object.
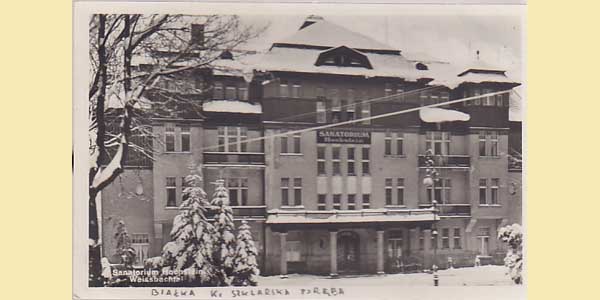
(224, 227)
(246, 270)
(513, 236)
(192, 237)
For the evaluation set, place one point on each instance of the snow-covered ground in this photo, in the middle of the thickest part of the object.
(473, 276)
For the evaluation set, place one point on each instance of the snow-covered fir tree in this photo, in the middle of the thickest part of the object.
(245, 270)
(224, 227)
(513, 236)
(124, 251)
(192, 237)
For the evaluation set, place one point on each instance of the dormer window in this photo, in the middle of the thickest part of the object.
(343, 57)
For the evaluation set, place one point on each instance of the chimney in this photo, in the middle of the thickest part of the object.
(197, 34)
(312, 19)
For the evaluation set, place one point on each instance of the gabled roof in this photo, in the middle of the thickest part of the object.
(325, 34)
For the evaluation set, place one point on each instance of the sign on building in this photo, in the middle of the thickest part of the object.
(343, 137)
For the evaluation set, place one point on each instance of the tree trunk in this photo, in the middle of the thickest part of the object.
(95, 267)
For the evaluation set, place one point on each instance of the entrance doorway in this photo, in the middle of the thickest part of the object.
(348, 252)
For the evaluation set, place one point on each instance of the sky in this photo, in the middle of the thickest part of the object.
(449, 37)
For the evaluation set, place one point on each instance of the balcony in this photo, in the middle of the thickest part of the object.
(451, 210)
(234, 158)
(242, 212)
(447, 161)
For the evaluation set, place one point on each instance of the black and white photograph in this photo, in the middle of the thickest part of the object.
(292, 151)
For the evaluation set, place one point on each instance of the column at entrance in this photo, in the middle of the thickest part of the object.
(427, 253)
(283, 254)
(333, 253)
(380, 252)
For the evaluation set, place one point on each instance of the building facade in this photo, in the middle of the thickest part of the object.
(327, 186)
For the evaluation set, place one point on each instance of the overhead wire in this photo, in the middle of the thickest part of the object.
(332, 125)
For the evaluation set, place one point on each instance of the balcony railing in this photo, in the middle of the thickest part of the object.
(245, 158)
(447, 161)
(242, 212)
(451, 210)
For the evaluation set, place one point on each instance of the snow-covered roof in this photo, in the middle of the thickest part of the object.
(277, 216)
(437, 115)
(303, 60)
(232, 106)
(327, 34)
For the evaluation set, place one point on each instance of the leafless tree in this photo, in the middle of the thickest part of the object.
(130, 56)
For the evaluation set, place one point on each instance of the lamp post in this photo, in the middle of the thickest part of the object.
(431, 176)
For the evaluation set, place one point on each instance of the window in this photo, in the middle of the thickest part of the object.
(494, 188)
(284, 144)
(140, 242)
(366, 201)
(421, 240)
(488, 101)
(388, 143)
(366, 112)
(297, 191)
(424, 96)
(456, 238)
(218, 91)
(293, 251)
(350, 106)
(230, 92)
(243, 93)
(171, 187)
(400, 91)
(495, 184)
(337, 204)
(321, 115)
(335, 155)
(438, 142)
(400, 191)
(488, 143)
(493, 143)
(445, 238)
(351, 202)
(169, 138)
(440, 191)
(388, 89)
(350, 161)
(365, 161)
(350, 96)
(336, 105)
(395, 245)
(445, 96)
(283, 89)
(296, 87)
(388, 191)
(321, 201)
(320, 92)
(482, 191)
(434, 98)
(484, 239)
(399, 143)
(296, 144)
(185, 139)
(184, 185)
(477, 101)
(482, 143)
(321, 160)
(238, 191)
(285, 187)
(231, 139)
